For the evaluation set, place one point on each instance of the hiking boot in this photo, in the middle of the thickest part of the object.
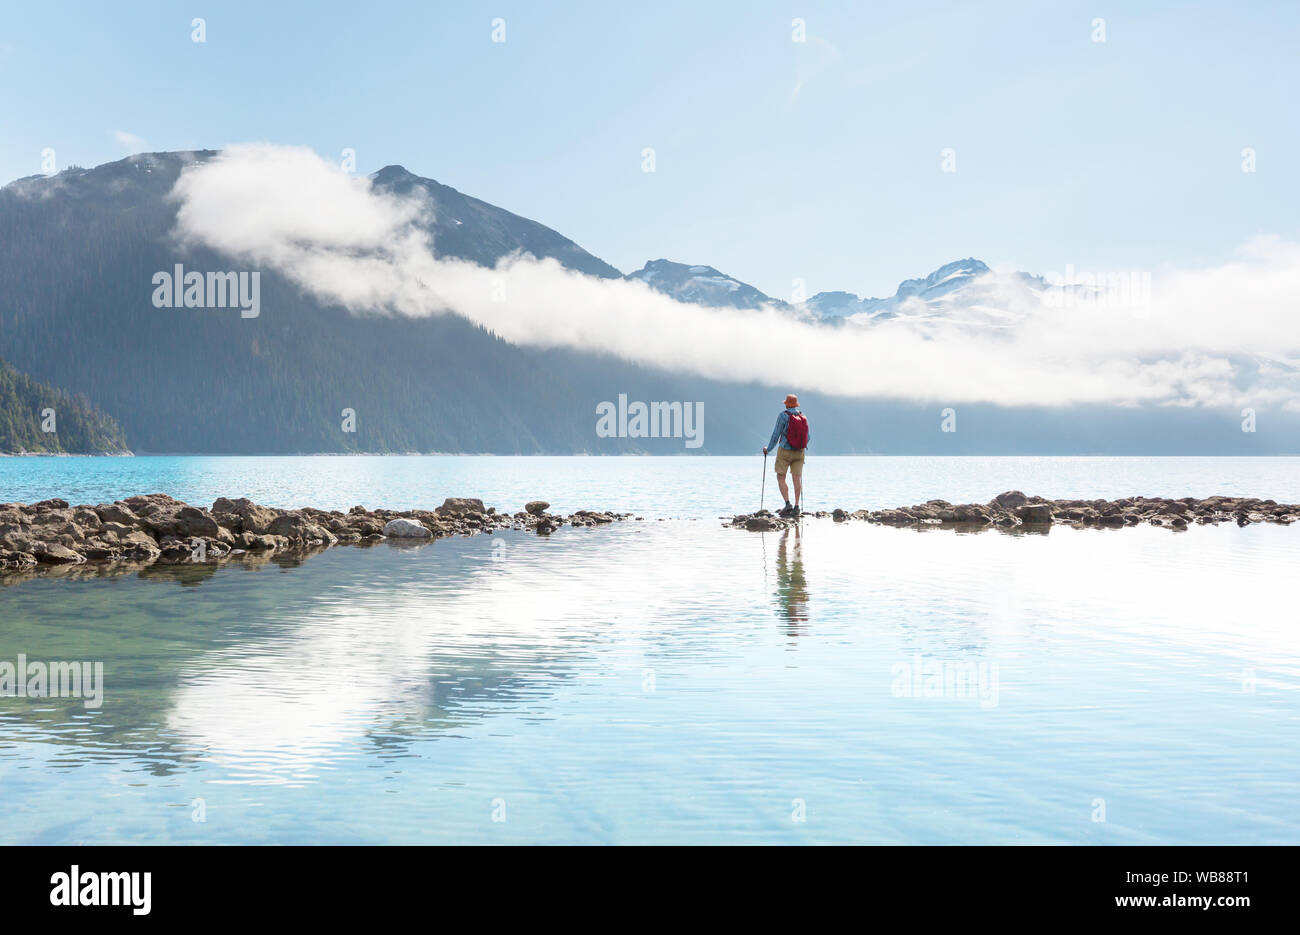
(786, 510)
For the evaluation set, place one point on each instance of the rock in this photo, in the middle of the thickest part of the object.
(1009, 499)
(406, 529)
(591, 518)
(158, 527)
(117, 513)
(298, 526)
(839, 515)
(18, 538)
(365, 526)
(971, 513)
(459, 506)
(71, 531)
(11, 515)
(143, 550)
(150, 503)
(54, 554)
(192, 521)
(536, 507)
(85, 517)
(16, 559)
(252, 518)
(252, 542)
(1034, 514)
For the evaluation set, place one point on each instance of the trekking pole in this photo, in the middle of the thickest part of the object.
(763, 491)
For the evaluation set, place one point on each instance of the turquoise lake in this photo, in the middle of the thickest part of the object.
(668, 680)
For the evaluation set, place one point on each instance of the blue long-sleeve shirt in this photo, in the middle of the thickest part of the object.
(779, 431)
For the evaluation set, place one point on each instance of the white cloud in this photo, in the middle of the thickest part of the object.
(130, 142)
(287, 209)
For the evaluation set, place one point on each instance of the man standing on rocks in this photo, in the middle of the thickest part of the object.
(792, 433)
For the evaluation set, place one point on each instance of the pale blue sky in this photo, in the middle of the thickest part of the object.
(775, 160)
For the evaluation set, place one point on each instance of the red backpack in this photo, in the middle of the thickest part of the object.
(796, 431)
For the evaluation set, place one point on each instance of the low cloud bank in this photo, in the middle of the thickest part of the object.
(1227, 335)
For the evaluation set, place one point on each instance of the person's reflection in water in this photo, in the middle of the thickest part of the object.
(791, 586)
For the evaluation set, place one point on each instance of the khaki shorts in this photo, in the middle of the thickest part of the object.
(786, 458)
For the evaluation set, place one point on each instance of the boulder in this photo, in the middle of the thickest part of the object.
(12, 515)
(191, 521)
(406, 529)
(16, 559)
(17, 538)
(85, 517)
(971, 513)
(117, 513)
(71, 531)
(365, 526)
(459, 506)
(1034, 514)
(1009, 499)
(150, 503)
(52, 553)
(138, 545)
(252, 518)
(536, 507)
(252, 542)
(295, 525)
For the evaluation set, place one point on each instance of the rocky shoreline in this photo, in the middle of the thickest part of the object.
(1013, 510)
(158, 528)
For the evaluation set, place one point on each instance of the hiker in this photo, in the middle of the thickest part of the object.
(792, 432)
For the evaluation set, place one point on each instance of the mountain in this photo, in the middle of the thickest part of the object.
(469, 229)
(702, 285)
(943, 282)
(79, 250)
(28, 406)
(954, 286)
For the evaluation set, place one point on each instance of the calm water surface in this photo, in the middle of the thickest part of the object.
(670, 681)
(658, 487)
